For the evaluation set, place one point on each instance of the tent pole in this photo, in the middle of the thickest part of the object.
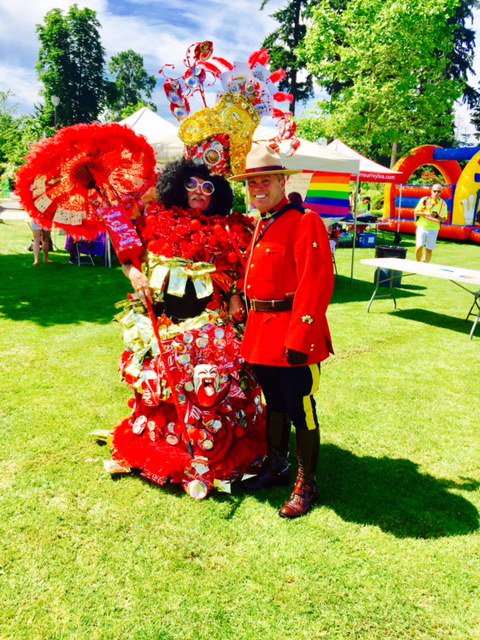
(357, 189)
(398, 237)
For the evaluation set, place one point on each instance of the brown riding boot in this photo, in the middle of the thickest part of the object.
(275, 470)
(305, 491)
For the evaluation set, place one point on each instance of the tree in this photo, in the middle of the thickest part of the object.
(131, 84)
(461, 56)
(71, 66)
(282, 45)
(389, 62)
(17, 133)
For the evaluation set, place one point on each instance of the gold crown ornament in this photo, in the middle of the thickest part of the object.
(235, 116)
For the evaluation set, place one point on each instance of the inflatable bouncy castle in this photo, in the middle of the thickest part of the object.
(461, 191)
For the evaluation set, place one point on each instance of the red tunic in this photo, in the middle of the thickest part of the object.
(293, 256)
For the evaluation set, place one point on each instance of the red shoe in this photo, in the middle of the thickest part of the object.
(301, 500)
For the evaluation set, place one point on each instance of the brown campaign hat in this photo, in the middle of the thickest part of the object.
(263, 161)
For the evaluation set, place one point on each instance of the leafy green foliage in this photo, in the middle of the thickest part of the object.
(462, 55)
(282, 45)
(17, 133)
(132, 108)
(239, 196)
(390, 62)
(132, 86)
(71, 66)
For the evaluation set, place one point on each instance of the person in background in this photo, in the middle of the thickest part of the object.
(365, 205)
(364, 213)
(297, 200)
(351, 201)
(288, 284)
(41, 239)
(430, 212)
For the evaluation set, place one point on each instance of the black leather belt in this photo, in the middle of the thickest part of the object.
(271, 305)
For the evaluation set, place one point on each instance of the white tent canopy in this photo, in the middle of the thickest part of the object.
(146, 122)
(168, 148)
(370, 171)
(310, 156)
(313, 157)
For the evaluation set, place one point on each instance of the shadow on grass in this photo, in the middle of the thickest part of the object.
(393, 495)
(361, 291)
(436, 319)
(59, 293)
(388, 493)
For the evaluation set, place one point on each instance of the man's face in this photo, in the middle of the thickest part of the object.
(266, 191)
(436, 191)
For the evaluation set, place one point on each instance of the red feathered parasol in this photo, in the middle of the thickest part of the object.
(79, 180)
(84, 169)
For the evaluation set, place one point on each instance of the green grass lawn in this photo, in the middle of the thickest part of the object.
(392, 551)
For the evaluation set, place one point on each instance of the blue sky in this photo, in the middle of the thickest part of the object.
(159, 30)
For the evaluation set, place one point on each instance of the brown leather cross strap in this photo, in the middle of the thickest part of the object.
(274, 215)
(266, 306)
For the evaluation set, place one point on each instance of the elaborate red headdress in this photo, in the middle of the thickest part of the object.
(221, 136)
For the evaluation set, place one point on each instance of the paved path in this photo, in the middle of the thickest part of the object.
(12, 210)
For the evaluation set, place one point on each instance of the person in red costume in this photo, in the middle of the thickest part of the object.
(212, 429)
(288, 285)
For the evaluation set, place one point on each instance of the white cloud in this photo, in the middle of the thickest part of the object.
(18, 20)
(26, 85)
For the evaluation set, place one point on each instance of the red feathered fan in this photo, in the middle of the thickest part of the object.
(83, 170)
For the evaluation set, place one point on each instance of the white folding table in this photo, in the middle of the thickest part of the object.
(457, 275)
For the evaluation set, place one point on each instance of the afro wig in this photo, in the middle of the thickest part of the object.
(171, 187)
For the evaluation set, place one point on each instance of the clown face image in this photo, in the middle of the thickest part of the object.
(206, 384)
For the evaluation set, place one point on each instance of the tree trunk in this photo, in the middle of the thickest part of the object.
(393, 157)
(296, 39)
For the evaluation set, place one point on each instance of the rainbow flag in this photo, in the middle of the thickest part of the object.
(328, 194)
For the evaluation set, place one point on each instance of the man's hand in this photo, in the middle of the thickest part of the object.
(296, 357)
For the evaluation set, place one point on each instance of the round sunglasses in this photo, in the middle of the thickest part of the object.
(206, 187)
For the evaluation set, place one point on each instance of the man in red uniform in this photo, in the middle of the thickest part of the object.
(288, 285)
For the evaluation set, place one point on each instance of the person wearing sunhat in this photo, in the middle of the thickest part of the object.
(288, 286)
